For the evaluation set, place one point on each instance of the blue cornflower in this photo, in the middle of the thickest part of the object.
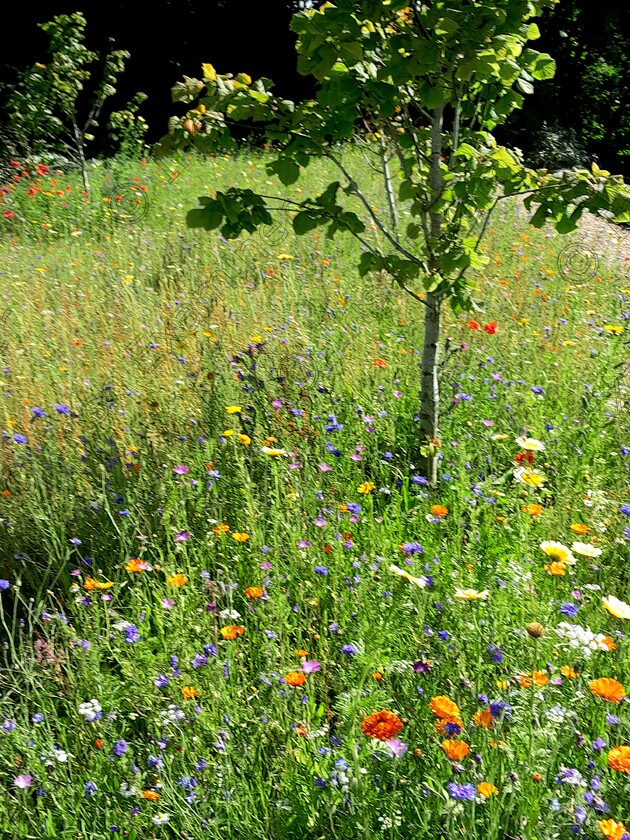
(161, 681)
(4, 584)
(320, 570)
(349, 650)
(90, 788)
(38, 412)
(120, 747)
(60, 408)
(132, 634)
(20, 439)
(461, 791)
(569, 609)
(38, 718)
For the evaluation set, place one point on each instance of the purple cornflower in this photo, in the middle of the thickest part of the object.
(349, 650)
(60, 408)
(456, 791)
(38, 412)
(353, 508)
(38, 718)
(20, 439)
(132, 634)
(421, 667)
(320, 570)
(625, 509)
(569, 609)
(412, 548)
(182, 536)
(120, 747)
(90, 788)
(419, 479)
(598, 744)
(4, 584)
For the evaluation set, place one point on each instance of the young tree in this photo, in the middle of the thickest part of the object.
(47, 108)
(430, 81)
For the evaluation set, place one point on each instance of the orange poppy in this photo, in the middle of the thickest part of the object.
(295, 679)
(382, 725)
(619, 759)
(254, 592)
(377, 675)
(443, 707)
(455, 750)
(608, 689)
(231, 631)
(99, 743)
(380, 363)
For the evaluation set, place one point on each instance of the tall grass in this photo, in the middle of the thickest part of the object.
(146, 366)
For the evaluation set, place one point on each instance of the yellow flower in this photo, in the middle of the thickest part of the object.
(486, 790)
(614, 330)
(273, 453)
(533, 478)
(366, 487)
(615, 607)
(240, 537)
(228, 433)
(233, 409)
(244, 439)
(177, 580)
(558, 552)
(530, 444)
(91, 584)
(499, 437)
(221, 528)
(471, 595)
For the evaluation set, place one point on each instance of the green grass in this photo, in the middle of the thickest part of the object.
(147, 332)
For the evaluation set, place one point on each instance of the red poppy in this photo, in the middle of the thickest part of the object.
(9, 214)
(525, 456)
(40, 169)
(473, 325)
(491, 328)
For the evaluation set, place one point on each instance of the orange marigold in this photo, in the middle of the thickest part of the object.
(568, 672)
(220, 529)
(295, 679)
(608, 643)
(240, 536)
(150, 795)
(608, 689)
(539, 679)
(443, 707)
(91, 584)
(556, 569)
(189, 692)
(383, 725)
(455, 750)
(483, 718)
(177, 580)
(439, 510)
(612, 830)
(254, 592)
(486, 790)
(619, 759)
(579, 528)
(231, 631)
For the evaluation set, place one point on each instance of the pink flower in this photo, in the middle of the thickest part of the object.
(167, 603)
(180, 469)
(265, 565)
(182, 536)
(23, 781)
(356, 457)
(310, 666)
(487, 422)
(397, 746)
(324, 468)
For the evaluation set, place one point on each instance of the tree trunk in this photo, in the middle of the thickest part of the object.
(430, 389)
(78, 139)
(389, 190)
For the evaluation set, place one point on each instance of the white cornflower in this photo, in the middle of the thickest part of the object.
(91, 710)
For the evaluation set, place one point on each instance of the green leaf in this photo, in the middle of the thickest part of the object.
(208, 218)
(544, 67)
(533, 32)
(305, 221)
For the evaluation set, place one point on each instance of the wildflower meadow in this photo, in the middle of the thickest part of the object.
(231, 606)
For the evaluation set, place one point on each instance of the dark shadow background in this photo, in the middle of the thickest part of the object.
(586, 106)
